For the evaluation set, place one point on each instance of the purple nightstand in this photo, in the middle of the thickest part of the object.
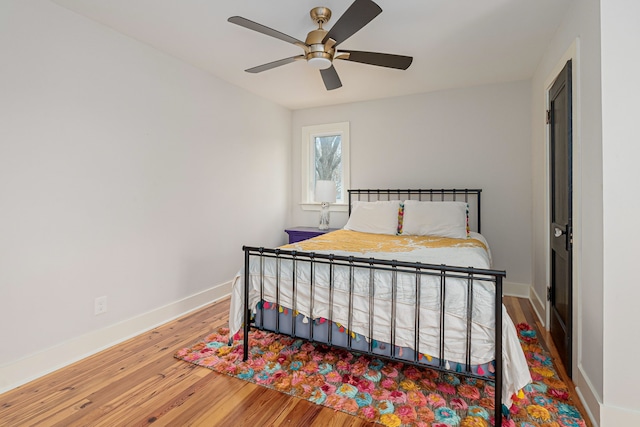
(297, 234)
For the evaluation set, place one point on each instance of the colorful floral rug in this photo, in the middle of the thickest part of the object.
(389, 393)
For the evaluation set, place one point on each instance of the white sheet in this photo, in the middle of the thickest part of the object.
(515, 371)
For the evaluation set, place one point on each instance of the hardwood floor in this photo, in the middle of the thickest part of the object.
(138, 383)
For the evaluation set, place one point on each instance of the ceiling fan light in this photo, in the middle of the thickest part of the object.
(319, 63)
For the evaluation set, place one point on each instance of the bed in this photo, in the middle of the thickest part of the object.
(409, 278)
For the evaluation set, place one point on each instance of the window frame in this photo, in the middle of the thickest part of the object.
(309, 133)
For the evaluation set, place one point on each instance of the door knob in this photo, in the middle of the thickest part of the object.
(558, 231)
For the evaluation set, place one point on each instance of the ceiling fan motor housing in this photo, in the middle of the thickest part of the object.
(318, 54)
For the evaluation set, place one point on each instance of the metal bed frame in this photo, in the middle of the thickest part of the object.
(416, 270)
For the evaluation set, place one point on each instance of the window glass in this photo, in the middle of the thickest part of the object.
(328, 160)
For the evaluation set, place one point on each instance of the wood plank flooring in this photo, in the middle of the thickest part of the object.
(139, 383)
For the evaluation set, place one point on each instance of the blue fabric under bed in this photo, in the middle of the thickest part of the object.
(279, 320)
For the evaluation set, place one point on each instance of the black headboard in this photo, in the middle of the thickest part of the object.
(472, 197)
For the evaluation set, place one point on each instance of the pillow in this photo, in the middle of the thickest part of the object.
(445, 219)
(379, 217)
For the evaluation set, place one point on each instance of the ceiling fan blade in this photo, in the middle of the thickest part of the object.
(359, 14)
(330, 78)
(243, 22)
(380, 59)
(274, 64)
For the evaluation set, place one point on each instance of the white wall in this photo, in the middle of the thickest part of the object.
(581, 29)
(621, 188)
(475, 137)
(123, 172)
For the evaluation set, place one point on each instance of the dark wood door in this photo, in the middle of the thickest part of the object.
(561, 292)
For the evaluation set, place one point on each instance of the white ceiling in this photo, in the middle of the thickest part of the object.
(454, 43)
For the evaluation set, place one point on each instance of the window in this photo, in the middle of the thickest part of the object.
(325, 156)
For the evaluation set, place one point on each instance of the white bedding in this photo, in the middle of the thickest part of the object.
(515, 371)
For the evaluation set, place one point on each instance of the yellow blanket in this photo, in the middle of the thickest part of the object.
(356, 242)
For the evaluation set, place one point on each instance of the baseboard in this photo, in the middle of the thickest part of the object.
(613, 416)
(519, 290)
(588, 396)
(46, 361)
(539, 306)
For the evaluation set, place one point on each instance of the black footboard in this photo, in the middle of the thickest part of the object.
(399, 274)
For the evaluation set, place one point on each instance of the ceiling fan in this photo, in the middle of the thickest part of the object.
(320, 46)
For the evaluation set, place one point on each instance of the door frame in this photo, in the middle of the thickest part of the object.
(570, 54)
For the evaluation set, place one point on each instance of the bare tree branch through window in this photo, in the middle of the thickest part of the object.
(329, 159)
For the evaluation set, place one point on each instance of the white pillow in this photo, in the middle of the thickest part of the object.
(445, 219)
(379, 217)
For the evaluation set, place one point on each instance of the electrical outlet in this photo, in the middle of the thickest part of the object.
(100, 305)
